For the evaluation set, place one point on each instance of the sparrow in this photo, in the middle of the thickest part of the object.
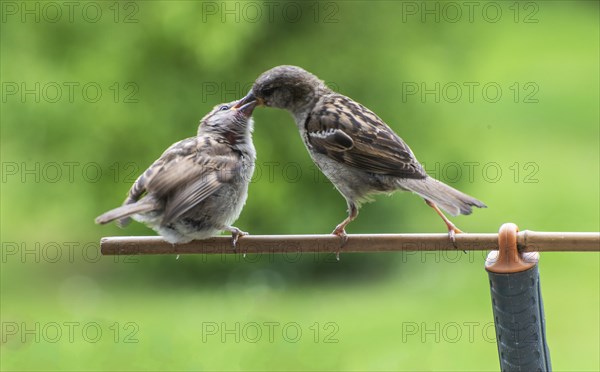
(357, 151)
(198, 186)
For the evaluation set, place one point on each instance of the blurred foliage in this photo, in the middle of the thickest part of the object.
(159, 75)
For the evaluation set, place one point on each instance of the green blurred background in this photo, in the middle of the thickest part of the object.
(92, 93)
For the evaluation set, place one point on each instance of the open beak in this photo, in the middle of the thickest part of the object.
(246, 108)
(247, 104)
(249, 98)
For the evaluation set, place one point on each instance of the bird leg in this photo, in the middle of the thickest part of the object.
(340, 230)
(235, 235)
(452, 229)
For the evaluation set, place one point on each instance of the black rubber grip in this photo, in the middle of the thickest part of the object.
(519, 320)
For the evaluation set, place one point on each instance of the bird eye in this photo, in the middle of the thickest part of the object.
(268, 91)
(223, 108)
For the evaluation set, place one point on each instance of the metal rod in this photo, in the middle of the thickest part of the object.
(527, 241)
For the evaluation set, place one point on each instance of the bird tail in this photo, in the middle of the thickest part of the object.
(444, 196)
(123, 212)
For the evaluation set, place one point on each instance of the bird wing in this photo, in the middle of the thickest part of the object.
(140, 186)
(351, 134)
(179, 149)
(189, 174)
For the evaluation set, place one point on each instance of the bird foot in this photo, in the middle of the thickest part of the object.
(452, 231)
(236, 234)
(341, 232)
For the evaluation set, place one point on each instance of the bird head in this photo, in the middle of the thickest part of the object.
(287, 87)
(226, 118)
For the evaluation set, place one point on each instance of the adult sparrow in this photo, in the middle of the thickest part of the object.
(198, 186)
(352, 146)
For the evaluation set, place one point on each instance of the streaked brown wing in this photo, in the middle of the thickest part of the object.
(187, 177)
(177, 150)
(190, 181)
(350, 133)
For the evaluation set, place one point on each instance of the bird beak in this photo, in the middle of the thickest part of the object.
(246, 109)
(249, 98)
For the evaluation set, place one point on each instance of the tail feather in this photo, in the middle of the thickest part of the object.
(123, 212)
(449, 199)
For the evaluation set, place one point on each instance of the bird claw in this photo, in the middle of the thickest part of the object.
(341, 232)
(236, 234)
(452, 231)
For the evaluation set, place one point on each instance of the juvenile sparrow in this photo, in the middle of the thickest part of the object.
(198, 186)
(352, 146)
